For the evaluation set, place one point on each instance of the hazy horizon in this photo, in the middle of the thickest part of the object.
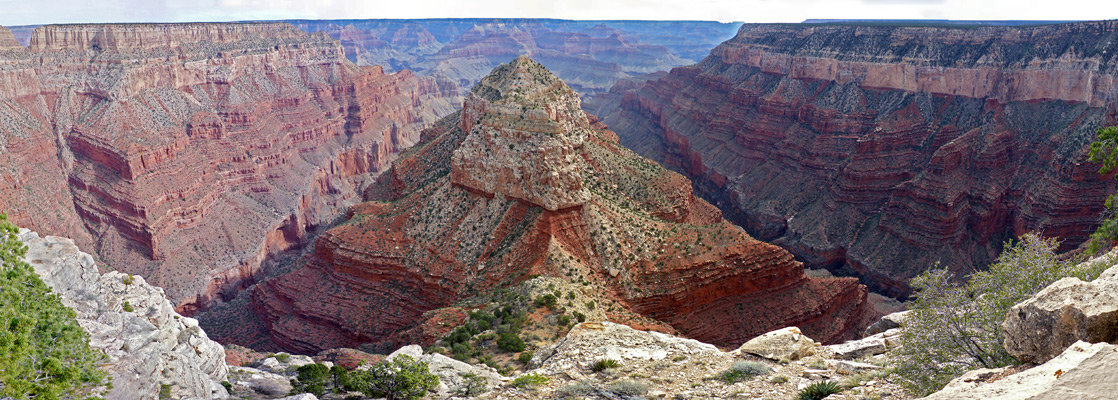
(18, 13)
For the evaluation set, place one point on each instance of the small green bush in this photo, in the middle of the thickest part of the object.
(743, 370)
(779, 379)
(547, 300)
(525, 357)
(510, 342)
(164, 391)
(564, 320)
(127, 307)
(604, 364)
(530, 381)
(819, 390)
(629, 388)
(282, 357)
(228, 386)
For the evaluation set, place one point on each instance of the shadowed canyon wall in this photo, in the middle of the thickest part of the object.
(878, 151)
(188, 153)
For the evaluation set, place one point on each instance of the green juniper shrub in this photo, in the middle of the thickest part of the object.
(524, 357)
(510, 342)
(311, 379)
(45, 353)
(547, 300)
(530, 381)
(1104, 150)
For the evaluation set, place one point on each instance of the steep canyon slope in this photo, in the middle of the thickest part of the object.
(187, 153)
(588, 55)
(523, 182)
(878, 151)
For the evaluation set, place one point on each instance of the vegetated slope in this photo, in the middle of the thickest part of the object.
(187, 153)
(588, 55)
(523, 182)
(878, 151)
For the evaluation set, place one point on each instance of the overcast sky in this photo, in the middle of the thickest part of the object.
(31, 12)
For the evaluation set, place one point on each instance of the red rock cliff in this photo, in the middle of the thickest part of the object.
(187, 153)
(437, 234)
(878, 151)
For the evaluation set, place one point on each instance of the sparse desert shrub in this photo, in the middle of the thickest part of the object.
(604, 364)
(530, 381)
(576, 390)
(819, 390)
(743, 370)
(282, 357)
(955, 327)
(629, 388)
(472, 385)
(779, 379)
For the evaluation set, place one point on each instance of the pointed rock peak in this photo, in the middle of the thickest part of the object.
(525, 131)
(521, 81)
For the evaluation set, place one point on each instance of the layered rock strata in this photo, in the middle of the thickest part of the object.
(148, 344)
(878, 151)
(450, 220)
(189, 153)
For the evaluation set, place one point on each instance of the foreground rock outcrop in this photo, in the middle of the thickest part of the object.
(657, 365)
(1067, 311)
(454, 218)
(149, 346)
(1082, 371)
(190, 153)
(877, 151)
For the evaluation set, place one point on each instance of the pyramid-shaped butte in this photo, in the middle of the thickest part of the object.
(525, 131)
(523, 182)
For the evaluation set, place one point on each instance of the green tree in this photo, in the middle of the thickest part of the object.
(45, 353)
(510, 342)
(955, 327)
(1104, 150)
(311, 379)
(403, 377)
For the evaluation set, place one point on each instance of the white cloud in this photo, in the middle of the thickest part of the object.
(24, 12)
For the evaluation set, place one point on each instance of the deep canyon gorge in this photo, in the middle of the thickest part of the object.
(358, 186)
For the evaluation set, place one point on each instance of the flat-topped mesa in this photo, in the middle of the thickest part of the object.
(121, 37)
(520, 106)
